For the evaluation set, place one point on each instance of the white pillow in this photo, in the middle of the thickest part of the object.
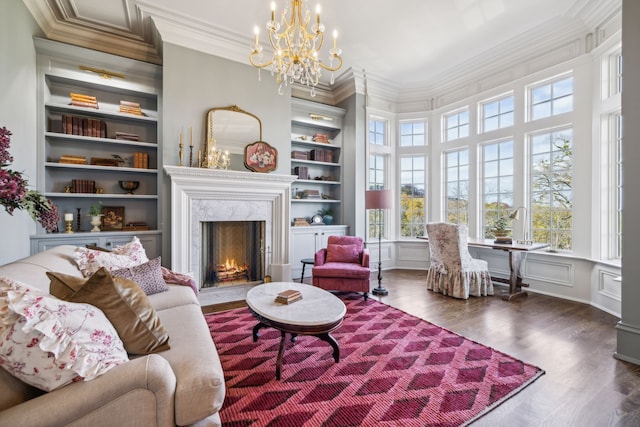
(128, 255)
(49, 343)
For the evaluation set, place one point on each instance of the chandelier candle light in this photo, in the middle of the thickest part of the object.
(296, 49)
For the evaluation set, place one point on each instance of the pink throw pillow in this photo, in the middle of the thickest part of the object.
(49, 343)
(343, 253)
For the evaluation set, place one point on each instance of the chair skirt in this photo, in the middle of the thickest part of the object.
(475, 281)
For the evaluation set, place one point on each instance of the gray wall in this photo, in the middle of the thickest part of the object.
(18, 114)
(195, 82)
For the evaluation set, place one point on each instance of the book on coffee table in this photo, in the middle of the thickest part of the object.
(289, 296)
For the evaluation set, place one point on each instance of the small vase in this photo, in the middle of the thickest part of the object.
(96, 221)
(327, 219)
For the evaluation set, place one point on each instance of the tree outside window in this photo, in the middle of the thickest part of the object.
(497, 183)
(457, 186)
(551, 188)
(412, 196)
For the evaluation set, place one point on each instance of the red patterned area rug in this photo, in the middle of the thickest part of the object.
(395, 370)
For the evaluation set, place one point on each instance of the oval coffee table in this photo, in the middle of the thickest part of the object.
(318, 313)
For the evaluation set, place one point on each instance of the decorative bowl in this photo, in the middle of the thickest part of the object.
(129, 186)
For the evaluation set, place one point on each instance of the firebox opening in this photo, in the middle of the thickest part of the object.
(233, 253)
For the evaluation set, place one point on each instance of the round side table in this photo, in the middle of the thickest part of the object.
(304, 262)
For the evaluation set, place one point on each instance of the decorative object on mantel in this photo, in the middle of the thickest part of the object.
(15, 195)
(296, 49)
(260, 157)
(379, 199)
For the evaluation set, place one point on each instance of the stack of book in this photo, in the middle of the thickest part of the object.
(289, 296)
(321, 137)
(125, 136)
(82, 100)
(311, 194)
(136, 226)
(140, 160)
(300, 155)
(74, 160)
(130, 108)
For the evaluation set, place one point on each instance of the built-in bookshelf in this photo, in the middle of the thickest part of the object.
(316, 143)
(98, 125)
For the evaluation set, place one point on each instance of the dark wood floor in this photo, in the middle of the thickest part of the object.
(584, 384)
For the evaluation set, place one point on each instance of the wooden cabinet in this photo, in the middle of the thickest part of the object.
(316, 143)
(306, 241)
(85, 149)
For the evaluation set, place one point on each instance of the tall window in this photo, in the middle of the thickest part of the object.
(497, 183)
(457, 186)
(456, 125)
(618, 198)
(377, 181)
(377, 132)
(497, 114)
(551, 187)
(412, 196)
(552, 98)
(412, 133)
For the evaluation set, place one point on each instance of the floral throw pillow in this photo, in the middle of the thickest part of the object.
(148, 276)
(49, 343)
(128, 255)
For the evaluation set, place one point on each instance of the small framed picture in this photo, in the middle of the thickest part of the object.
(260, 157)
(112, 218)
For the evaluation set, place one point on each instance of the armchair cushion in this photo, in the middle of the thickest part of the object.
(345, 270)
(343, 253)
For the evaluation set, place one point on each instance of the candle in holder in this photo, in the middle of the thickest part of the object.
(68, 217)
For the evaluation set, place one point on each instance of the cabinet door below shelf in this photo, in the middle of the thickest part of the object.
(306, 241)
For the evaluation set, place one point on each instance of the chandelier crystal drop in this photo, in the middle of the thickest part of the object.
(296, 49)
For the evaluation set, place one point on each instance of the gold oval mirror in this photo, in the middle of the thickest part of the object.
(232, 128)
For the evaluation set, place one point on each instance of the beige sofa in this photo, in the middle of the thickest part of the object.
(181, 386)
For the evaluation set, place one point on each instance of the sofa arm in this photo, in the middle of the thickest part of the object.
(365, 257)
(320, 257)
(141, 389)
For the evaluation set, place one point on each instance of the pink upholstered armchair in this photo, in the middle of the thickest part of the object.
(343, 266)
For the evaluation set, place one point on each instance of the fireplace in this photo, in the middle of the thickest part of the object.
(233, 253)
(201, 195)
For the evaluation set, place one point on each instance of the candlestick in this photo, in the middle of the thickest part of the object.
(78, 220)
(68, 220)
(199, 158)
(191, 156)
(180, 153)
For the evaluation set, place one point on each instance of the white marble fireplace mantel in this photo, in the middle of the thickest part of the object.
(199, 194)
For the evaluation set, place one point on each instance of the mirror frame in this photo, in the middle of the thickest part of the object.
(232, 108)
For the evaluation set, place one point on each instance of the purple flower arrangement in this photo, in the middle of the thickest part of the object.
(14, 193)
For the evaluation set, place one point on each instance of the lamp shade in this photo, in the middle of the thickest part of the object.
(378, 199)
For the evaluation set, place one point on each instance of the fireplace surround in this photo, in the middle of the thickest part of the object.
(201, 195)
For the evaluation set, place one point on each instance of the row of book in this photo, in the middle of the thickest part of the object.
(82, 100)
(321, 155)
(140, 160)
(300, 155)
(301, 171)
(289, 296)
(83, 186)
(83, 126)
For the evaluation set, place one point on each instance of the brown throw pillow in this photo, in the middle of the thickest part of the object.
(122, 301)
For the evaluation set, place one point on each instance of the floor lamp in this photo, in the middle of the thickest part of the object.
(379, 199)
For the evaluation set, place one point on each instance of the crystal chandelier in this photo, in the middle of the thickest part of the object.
(296, 49)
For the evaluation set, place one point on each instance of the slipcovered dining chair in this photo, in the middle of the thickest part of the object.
(452, 271)
(343, 266)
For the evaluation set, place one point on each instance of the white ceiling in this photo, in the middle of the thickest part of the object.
(405, 43)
